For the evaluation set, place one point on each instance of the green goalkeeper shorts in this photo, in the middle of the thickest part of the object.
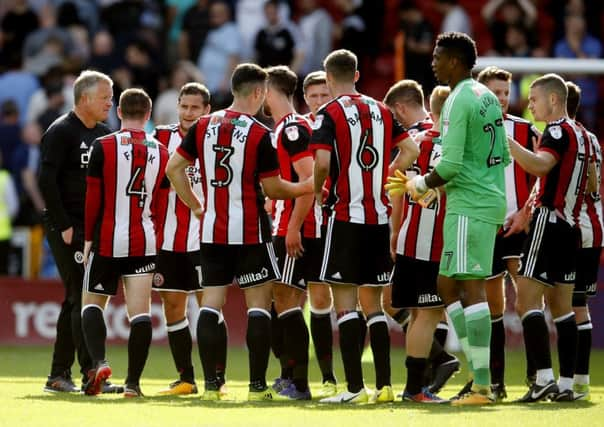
(468, 245)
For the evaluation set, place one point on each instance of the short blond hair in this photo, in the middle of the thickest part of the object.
(437, 99)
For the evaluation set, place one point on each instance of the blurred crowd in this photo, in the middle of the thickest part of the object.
(161, 44)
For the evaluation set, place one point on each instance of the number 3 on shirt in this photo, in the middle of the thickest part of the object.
(223, 171)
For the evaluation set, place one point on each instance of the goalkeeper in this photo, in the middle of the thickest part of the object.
(474, 155)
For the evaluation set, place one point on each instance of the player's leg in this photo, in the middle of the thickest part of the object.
(286, 299)
(137, 293)
(175, 276)
(99, 283)
(221, 347)
(68, 339)
(588, 263)
(495, 292)
(370, 299)
(559, 300)
(321, 306)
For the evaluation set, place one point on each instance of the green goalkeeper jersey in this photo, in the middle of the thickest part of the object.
(475, 153)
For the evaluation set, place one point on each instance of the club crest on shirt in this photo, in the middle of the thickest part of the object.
(318, 122)
(555, 132)
(292, 133)
(78, 256)
(158, 279)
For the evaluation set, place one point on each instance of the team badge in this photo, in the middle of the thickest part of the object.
(318, 122)
(158, 280)
(78, 256)
(292, 133)
(555, 132)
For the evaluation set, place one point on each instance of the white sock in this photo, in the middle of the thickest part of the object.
(544, 376)
(565, 383)
(581, 379)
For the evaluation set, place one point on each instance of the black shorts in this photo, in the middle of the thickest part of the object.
(414, 283)
(357, 254)
(177, 271)
(588, 264)
(549, 254)
(506, 248)
(247, 265)
(297, 272)
(102, 274)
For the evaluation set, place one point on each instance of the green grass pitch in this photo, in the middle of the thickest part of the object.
(23, 371)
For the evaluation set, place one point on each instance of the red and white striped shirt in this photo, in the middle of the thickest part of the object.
(181, 227)
(563, 188)
(235, 152)
(360, 132)
(292, 134)
(125, 182)
(421, 234)
(518, 183)
(591, 218)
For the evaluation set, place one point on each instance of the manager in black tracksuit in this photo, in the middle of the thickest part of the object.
(62, 181)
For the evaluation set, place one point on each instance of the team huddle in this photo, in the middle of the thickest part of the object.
(369, 208)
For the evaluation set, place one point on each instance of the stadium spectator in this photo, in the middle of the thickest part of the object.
(64, 159)
(163, 108)
(122, 220)
(9, 206)
(195, 27)
(419, 40)
(103, 56)
(316, 27)
(502, 14)
(455, 17)
(18, 85)
(250, 17)
(16, 24)
(10, 133)
(351, 32)
(220, 53)
(279, 42)
(577, 43)
(27, 163)
(173, 24)
(57, 79)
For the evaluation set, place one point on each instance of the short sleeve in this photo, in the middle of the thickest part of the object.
(268, 163)
(295, 139)
(398, 131)
(188, 146)
(96, 159)
(323, 133)
(555, 141)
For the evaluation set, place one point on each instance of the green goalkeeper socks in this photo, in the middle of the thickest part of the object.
(456, 313)
(478, 328)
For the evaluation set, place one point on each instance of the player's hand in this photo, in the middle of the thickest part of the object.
(518, 222)
(396, 185)
(87, 248)
(67, 235)
(268, 206)
(198, 212)
(416, 187)
(393, 245)
(293, 243)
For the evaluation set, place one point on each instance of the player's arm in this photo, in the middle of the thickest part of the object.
(268, 171)
(176, 173)
(185, 155)
(94, 193)
(592, 177)
(536, 163)
(321, 172)
(321, 143)
(53, 155)
(293, 239)
(408, 151)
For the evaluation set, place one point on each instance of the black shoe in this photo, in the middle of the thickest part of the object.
(465, 390)
(540, 392)
(442, 374)
(499, 392)
(568, 396)
(108, 388)
(60, 384)
(529, 381)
